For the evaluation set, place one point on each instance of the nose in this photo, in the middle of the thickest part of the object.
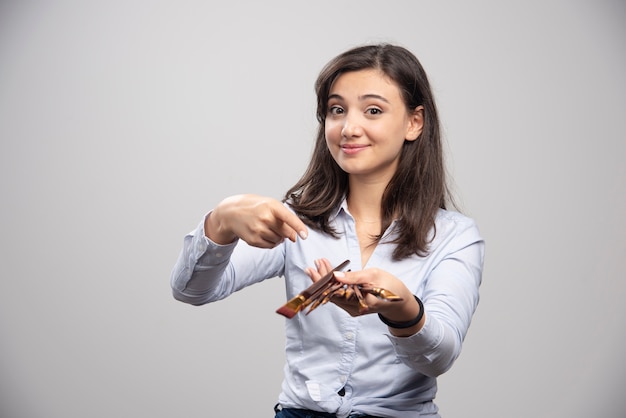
(351, 127)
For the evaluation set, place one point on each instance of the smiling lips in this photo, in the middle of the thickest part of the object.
(352, 149)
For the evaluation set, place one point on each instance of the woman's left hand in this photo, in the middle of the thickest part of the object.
(398, 311)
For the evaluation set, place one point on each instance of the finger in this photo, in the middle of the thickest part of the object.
(284, 231)
(313, 274)
(292, 226)
(270, 236)
(261, 242)
(347, 277)
(323, 266)
(367, 276)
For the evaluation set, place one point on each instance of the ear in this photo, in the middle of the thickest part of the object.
(416, 124)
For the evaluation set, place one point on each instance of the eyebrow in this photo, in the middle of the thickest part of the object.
(361, 98)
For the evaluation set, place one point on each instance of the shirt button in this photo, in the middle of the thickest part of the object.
(349, 336)
(219, 254)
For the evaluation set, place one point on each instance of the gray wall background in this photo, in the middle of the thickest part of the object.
(123, 122)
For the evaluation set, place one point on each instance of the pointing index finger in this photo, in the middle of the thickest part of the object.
(291, 220)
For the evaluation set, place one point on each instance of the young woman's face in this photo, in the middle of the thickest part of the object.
(367, 123)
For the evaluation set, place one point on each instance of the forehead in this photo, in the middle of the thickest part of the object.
(364, 82)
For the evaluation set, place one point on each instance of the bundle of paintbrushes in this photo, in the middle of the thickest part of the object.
(323, 290)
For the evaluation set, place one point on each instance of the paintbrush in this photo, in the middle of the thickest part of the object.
(291, 308)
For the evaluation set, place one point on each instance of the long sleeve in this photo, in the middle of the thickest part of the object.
(206, 271)
(450, 296)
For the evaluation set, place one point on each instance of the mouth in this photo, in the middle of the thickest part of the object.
(353, 148)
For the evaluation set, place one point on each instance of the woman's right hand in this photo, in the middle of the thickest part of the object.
(260, 221)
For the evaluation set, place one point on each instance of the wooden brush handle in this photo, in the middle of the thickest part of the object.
(315, 287)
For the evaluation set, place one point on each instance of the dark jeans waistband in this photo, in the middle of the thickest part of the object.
(305, 413)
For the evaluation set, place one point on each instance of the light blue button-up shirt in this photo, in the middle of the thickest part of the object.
(329, 350)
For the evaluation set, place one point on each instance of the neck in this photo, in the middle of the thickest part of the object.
(364, 200)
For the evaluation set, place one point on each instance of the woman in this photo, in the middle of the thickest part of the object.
(374, 193)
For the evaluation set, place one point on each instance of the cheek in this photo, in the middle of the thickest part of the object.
(332, 132)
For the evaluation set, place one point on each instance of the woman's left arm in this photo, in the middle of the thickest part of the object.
(450, 298)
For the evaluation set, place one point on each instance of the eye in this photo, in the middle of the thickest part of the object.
(335, 110)
(373, 111)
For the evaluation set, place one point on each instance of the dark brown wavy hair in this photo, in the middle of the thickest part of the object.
(417, 190)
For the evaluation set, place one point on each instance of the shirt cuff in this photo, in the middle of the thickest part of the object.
(207, 252)
(420, 345)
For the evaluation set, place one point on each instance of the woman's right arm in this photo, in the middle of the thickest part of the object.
(198, 273)
(204, 271)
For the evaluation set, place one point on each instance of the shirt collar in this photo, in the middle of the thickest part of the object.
(341, 208)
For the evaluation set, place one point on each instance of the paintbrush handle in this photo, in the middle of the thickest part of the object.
(318, 285)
